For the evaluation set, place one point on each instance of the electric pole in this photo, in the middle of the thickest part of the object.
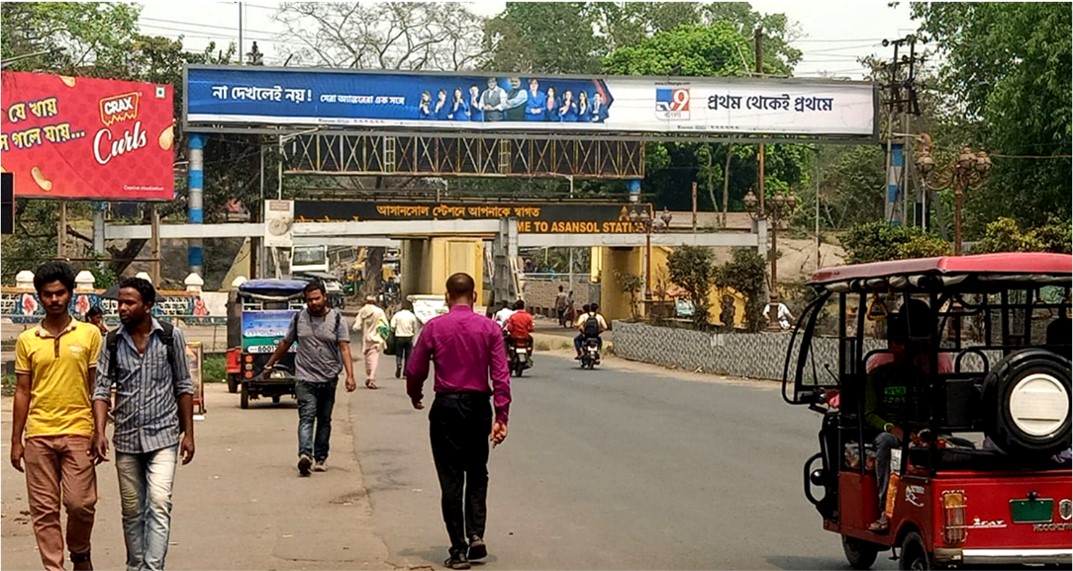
(901, 99)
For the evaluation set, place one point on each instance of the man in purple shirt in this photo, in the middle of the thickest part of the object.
(467, 349)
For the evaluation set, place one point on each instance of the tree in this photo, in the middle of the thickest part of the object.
(543, 37)
(879, 241)
(691, 268)
(745, 274)
(390, 35)
(1007, 68)
(1005, 235)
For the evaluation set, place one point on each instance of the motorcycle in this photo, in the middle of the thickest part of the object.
(590, 353)
(519, 354)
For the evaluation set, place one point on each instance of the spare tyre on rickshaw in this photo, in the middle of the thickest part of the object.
(259, 313)
(949, 443)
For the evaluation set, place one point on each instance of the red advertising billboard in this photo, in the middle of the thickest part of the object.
(86, 138)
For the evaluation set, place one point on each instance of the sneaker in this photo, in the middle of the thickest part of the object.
(457, 560)
(477, 549)
(304, 462)
(319, 466)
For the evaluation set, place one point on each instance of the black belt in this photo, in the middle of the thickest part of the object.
(464, 395)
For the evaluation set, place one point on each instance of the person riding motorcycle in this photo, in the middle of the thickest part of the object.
(590, 325)
(519, 326)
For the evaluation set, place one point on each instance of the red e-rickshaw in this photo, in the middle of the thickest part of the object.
(981, 473)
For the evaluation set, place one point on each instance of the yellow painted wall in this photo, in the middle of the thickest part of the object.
(613, 303)
(447, 256)
(659, 271)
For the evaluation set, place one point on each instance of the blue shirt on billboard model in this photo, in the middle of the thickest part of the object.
(459, 110)
(424, 108)
(568, 108)
(598, 114)
(551, 106)
(534, 110)
(443, 108)
(476, 114)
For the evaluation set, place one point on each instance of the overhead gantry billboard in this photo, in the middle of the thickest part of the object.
(641, 107)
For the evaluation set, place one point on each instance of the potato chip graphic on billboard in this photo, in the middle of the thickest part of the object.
(87, 138)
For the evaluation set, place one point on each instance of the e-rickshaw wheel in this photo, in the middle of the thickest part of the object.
(859, 553)
(914, 554)
(244, 397)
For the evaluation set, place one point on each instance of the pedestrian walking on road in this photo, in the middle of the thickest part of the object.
(55, 367)
(560, 304)
(467, 350)
(323, 352)
(373, 325)
(154, 426)
(404, 324)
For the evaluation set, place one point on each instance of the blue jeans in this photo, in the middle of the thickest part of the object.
(145, 483)
(884, 443)
(315, 402)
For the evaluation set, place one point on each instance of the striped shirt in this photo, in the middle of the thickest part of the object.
(147, 406)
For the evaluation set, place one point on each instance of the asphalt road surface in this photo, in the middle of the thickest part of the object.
(625, 467)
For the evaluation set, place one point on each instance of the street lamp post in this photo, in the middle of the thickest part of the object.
(778, 208)
(643, 217)
(969, 171)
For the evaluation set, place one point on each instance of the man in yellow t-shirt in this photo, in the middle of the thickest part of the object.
(55, 367)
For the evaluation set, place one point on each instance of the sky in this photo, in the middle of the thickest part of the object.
(833, 34)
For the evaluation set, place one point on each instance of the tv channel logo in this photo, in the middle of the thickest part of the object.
(672, 103)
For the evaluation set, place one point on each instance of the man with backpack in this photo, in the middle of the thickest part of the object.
(154, 412)
(591, 324)
(323, 351)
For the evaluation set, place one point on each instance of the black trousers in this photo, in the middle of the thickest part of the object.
(403, 347)
(459, 425)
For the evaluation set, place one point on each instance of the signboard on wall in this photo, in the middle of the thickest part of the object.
(533, 218)
(528, 103)
(279, 223)
(86, 138)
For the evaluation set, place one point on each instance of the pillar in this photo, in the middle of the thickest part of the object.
(84, 281)
(894, 177)
(194, 283)
(98, 227)
(614, 303)
(195, 214)
(24, 280)
(634, 187)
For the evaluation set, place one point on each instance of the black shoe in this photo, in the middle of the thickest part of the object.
(304, 462)
(477, 549)
(398, 372)
(457, 560)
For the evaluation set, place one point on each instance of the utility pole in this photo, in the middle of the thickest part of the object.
(241, 53)
(758, 40)
(901, 99)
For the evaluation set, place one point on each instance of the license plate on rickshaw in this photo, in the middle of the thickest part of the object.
(1031, 511)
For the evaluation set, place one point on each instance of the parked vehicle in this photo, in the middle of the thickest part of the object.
(332, 286)
(981, 472)
(519, 354)
(590, 353)
(259, 314)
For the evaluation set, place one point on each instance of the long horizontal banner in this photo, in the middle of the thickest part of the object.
(533, 218)
(282, 96)
(81, 137)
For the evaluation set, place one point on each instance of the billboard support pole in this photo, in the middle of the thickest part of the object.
(98, 227)
(196, 214)
(61, 231)
(154, 242)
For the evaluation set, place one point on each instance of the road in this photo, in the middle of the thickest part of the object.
(626, 467)
(629, 466)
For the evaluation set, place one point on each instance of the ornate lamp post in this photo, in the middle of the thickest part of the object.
(643, 217)
(777, 209)
(969, 171)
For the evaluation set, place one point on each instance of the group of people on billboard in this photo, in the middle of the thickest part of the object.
(515, 104)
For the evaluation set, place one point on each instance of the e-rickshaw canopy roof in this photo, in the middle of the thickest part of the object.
(272, 288)
(996, 270)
